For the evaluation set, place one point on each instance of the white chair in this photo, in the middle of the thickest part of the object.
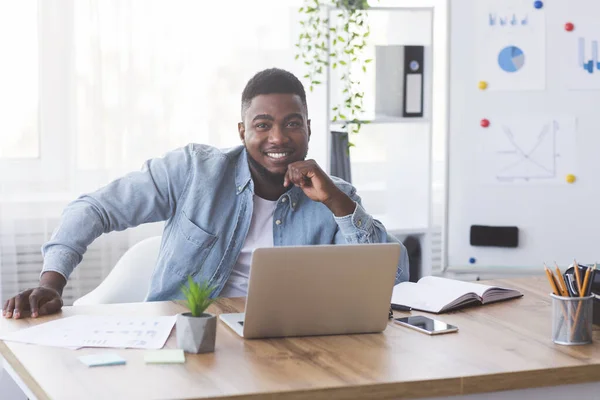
(129, 280)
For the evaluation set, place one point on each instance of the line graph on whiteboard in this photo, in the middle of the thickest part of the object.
(531, 150)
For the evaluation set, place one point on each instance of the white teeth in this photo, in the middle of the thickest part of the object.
(277, 155)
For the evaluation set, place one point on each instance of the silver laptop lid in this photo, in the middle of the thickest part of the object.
(320, 290)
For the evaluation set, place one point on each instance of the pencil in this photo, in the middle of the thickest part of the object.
(582, 293)
(585, 282)
(561, 281)
(577, 277)
(556, 291)
(551, 280)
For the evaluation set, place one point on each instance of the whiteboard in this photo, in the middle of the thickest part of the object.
(542, 103)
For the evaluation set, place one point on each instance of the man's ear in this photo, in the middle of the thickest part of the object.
(309, 131)
(242, 131)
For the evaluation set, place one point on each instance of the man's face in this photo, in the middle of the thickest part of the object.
(275, 131)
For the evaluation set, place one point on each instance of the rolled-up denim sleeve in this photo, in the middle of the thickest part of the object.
(361, 227)
(148, 195)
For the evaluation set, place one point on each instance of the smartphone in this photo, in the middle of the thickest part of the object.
(426, 325)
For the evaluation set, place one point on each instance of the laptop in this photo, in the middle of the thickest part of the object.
(317, 290)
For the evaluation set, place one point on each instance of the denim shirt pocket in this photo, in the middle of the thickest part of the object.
(191, 248)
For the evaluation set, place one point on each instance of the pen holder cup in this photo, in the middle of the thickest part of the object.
(572, 319)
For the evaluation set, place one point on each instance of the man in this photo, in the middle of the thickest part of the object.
(218, 205)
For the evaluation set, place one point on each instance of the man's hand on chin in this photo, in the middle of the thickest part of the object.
(318, 186)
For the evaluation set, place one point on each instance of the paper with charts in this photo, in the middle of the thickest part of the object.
(579, 60)
(527, 150)
(510, 45)
(98, 331)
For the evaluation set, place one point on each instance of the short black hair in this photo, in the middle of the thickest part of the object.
(269, 81)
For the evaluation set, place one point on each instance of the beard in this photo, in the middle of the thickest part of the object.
(270, 177)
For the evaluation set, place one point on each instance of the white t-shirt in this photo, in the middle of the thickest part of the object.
(260, 234)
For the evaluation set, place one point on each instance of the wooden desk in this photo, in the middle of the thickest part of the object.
(499, 346)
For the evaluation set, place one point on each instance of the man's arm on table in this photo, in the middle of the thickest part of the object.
(143, 196)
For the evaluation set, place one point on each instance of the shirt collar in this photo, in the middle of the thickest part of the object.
(242, 172)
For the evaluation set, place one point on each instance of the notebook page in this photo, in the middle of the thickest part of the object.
(454, 285)
(424, 297)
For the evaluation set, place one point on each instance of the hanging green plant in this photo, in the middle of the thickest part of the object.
(339, 44)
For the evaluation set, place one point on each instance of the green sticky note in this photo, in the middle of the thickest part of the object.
(167, 356)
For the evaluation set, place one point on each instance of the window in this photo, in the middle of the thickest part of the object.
(19, 135)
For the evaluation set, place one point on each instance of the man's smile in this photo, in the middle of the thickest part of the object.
(279, 156)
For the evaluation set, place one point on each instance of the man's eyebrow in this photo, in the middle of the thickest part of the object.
(292, 116)
(263, 116)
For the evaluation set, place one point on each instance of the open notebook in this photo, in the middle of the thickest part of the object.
(438, 295)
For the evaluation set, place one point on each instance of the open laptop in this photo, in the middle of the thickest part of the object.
(317, 290)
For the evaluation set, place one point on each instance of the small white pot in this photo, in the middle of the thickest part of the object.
(196, 334)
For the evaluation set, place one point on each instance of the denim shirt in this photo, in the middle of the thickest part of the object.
(205, 196)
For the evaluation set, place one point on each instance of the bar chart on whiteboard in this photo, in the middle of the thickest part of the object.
(527, 150)
(588, 64)
(580, 66)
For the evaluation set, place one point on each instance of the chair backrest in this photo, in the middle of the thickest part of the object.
(129, 280)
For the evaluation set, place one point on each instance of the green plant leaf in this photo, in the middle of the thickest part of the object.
(364, 68)
(342, 62)
(368, 60)
(297, 56)
(341, 39)
(334, 66)
(198, 296)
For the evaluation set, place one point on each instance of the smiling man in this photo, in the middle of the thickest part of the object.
(218, 205)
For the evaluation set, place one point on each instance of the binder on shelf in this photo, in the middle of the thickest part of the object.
(399, 80)
(413, 81)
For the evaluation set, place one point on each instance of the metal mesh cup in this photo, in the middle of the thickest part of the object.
(572, 319)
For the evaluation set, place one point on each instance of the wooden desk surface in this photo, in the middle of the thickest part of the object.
(499, 346)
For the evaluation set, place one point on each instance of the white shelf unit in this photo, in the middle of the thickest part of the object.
(391, 159)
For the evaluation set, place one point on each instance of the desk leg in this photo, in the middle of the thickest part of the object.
(11, 385)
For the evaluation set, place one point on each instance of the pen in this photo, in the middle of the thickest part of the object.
(588, 287)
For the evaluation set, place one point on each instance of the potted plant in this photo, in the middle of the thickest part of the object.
(197, 329)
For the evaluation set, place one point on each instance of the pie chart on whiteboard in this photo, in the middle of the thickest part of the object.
(511, 59)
